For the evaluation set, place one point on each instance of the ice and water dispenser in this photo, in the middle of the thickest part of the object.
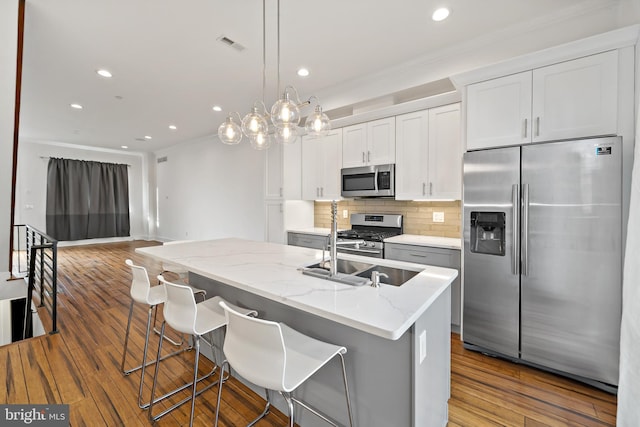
(488, 233)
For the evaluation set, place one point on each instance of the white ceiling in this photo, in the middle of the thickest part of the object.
(169, 68)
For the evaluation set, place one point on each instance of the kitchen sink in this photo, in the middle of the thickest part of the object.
(343, 266)
(397, 276)
(358, 273)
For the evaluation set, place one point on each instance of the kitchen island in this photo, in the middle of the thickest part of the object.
(398, 359)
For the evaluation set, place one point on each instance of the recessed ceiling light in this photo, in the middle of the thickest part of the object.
(76, 106)
(217, 108)
(440, 14)
(147, 137)
(104, 73)
(303, 72)
(172, 127)
(124, 146)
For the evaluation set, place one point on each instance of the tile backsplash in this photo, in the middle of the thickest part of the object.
(417, 216)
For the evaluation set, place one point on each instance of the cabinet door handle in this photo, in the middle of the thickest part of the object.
(431, 188)
(321, 191)
(281, 192)
(363, 157)
(317, 191)
(424, 188)
(537, 126)
(524, 128)
(368, 156)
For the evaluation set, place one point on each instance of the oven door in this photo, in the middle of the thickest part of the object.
(370, 252)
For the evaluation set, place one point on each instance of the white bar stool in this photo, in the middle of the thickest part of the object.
(143, 293)
(276, 357)
(183, 314)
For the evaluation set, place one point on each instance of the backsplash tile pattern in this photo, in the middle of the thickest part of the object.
(418, 216)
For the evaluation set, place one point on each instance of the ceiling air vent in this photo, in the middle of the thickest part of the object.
(227, 41)
(162, 159)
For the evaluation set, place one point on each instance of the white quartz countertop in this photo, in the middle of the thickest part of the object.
(272, 271)
(432, 241)
(313, 230)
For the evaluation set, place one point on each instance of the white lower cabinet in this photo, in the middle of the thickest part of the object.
(440, 257)
(274, 228)
(283, 215)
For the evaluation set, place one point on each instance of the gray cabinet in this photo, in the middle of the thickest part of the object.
(428, 255)
(315, 241)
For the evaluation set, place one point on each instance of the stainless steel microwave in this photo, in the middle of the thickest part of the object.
(369, 181)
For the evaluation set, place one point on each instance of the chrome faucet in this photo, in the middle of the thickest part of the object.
(333, 241)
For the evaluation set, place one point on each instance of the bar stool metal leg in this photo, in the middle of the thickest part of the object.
(153, 400)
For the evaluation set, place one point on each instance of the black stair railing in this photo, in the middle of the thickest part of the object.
(42, 275)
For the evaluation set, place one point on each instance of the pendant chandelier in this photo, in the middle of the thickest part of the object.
(282, 121)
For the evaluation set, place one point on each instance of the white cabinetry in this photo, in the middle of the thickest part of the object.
(371, 143)
(321, 163)
(570, 99)
(429, 154)
(274, 228)
(283, 171)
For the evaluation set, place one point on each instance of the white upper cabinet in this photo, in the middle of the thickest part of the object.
(321, 163)
(371, 143)
(499, 112)
(412, 155)
(577, 98)
(445, 153)
(283, 171)
(429, 154)
(571, 99)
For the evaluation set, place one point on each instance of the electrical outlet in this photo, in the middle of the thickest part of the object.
(423, 345)
(345, 213)
(438, 217)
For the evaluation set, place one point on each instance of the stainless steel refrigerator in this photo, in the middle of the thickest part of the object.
(543, 255)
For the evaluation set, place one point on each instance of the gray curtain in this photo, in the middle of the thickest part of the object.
(86, 199)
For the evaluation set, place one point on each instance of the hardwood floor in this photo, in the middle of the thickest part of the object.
(80, 366)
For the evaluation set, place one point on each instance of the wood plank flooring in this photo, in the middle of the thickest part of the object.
(80, 365)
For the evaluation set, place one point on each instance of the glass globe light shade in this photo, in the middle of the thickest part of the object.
(230, 132)
(261, 141)
(287, 134)
(254, 123)
(285, 112)
(317, 123)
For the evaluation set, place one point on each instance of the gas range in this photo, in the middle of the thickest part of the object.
(372, 229)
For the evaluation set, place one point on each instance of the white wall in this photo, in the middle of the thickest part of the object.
(31, 183)
(208, 190)
(629, 387)
(8, 51)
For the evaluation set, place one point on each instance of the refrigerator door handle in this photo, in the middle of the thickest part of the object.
(515, 197)
(525, 229)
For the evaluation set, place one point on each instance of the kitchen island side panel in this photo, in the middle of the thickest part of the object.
(432, 374)
(380, 371)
